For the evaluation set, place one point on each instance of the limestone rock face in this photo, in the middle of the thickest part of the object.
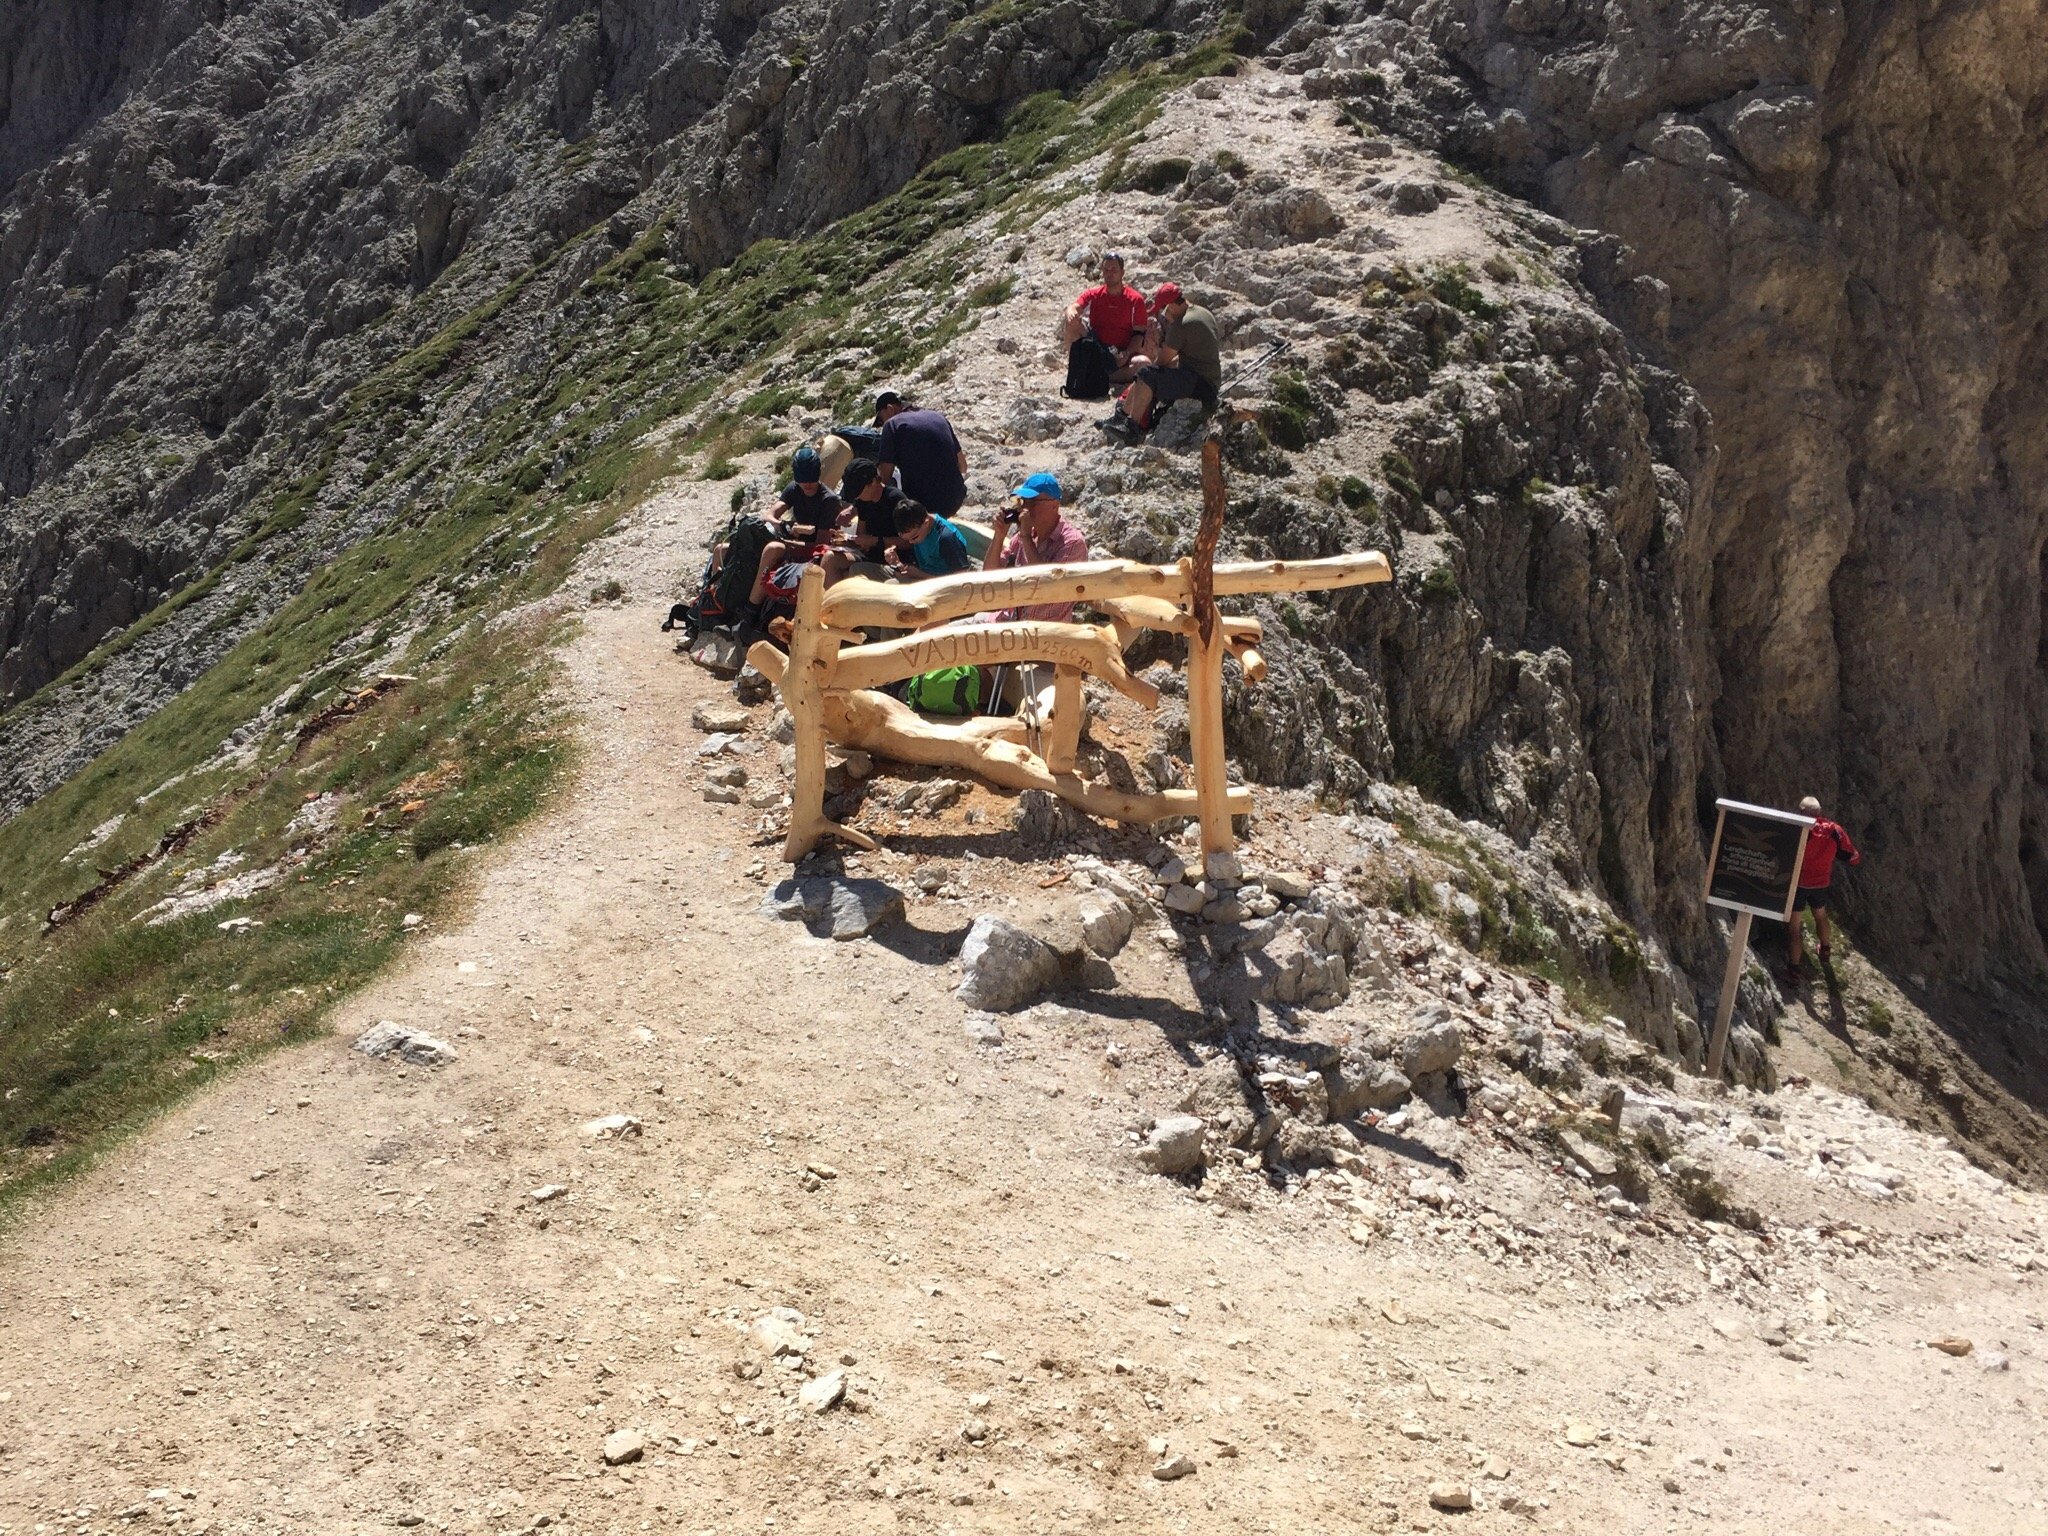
(1829, 223)
(217, 221)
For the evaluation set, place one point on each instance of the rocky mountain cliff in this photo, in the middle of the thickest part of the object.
(274, 276)
(223, 218)
(1833, 218)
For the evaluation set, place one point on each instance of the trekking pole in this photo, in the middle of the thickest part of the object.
(1241, 372)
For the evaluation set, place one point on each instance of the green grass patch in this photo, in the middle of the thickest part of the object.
(1454, 286)
(109, 1020)
(1440, 585)
(1400, 475)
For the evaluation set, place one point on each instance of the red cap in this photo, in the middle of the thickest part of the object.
(1165, 294)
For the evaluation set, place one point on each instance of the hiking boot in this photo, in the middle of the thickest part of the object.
(1124, 430)
(1822, 951)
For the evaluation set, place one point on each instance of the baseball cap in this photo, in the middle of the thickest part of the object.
(860, 474)
(804, 467)
(1040, 484)
(885, 399)
(1165, 294)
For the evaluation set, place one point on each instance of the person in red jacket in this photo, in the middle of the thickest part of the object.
(1824, 844)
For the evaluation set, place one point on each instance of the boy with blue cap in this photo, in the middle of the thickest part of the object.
(1032, 531)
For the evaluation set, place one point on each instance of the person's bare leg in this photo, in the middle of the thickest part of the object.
(771, 557)
(1137, 402)
(1820, 931)
(1070, 331)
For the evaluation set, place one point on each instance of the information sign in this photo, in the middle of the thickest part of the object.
(1754, 864)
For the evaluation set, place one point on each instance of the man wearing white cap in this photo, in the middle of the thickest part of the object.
(1816, 874)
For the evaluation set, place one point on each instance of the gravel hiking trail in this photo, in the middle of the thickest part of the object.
(328, 1296)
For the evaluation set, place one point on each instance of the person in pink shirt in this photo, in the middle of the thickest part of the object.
(1824, 843)
(1032, 531)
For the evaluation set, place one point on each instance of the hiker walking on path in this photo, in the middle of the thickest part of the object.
(920, 446)
(1824, 843)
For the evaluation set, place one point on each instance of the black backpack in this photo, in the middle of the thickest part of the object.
(1089, 365)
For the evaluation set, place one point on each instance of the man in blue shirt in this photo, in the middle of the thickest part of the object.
(920, 446)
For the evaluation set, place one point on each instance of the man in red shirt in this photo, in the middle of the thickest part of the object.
(1816, 873)
(1113, 311)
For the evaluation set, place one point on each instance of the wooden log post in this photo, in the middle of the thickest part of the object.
(1206, 648)
(813, 650)
(1062, 734)
(1205, 742)
(1731, 981)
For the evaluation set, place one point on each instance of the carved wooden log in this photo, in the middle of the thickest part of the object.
(1089, 647)
(876, 723)
(858, 601)
(1237, 578)
(1131, 614)
(1202, 578)
(1205, 741)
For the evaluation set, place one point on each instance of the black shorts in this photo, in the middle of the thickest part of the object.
(1810, 898)
(1177, 383)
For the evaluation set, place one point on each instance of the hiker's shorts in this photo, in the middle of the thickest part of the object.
(1810, 897)
(1176, 383)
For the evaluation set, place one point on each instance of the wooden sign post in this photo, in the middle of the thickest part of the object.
(1205, 665)
(1753, 871)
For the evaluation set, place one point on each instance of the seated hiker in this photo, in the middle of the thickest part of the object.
(808, 516)
(920, 446)
(1110, 315)
(1031, 530)
(1189, 367)
(870, 514)
(926, 544)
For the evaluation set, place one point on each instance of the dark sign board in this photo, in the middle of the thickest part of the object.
(1754, 865)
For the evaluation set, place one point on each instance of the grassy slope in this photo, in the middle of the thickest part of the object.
(104, 1019)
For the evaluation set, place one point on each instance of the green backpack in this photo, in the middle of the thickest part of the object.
(948, 691)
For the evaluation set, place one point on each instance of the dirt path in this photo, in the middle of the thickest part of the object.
(323, 1298)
